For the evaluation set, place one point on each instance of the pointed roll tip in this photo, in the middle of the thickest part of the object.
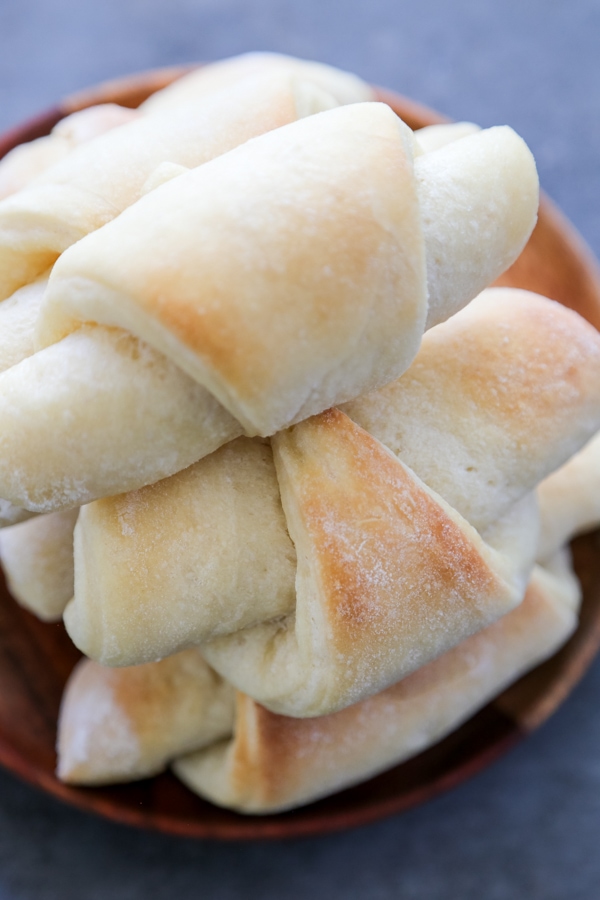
(97, 742)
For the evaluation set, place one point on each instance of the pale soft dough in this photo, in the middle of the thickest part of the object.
(24, 163)
(274, 763)
(570, 499)
(37, 555)
(37, 558)
(344, 86)
(212, 551)
(433, 137)
(18, 315)
(70, 413)
(272, 233)
(477, 197)
(100, 178)
(121, 724)
(12, 515)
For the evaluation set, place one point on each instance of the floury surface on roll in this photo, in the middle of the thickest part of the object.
(122, 724)
(37, 558)
(316, 215)
(99, 178)
(289, 275)
(274, 763)
(255, 761)
(23, 164)
(359, 544)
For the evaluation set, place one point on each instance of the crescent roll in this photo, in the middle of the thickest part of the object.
(121, 724)
(306, 564)
(263, 762)
(344, 86)
(18, 316)
(570, 499)
(37, 558)
(274, 763)
(252, 292)
(100, 178)
(26, 161)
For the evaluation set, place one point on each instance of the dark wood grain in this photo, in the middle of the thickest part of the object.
(35, 659)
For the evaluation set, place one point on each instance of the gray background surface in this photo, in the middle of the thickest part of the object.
(528, 827)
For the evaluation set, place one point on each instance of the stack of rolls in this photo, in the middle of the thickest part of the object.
(299, 482)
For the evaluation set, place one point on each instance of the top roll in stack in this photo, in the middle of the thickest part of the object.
(295, 266)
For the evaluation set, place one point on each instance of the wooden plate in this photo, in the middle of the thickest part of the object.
(35, 659)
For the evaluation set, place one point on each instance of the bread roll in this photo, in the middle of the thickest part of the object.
(121, 724)
(343, 269)
(274, 763)
(100, 178)
(309, 248)
(216, 545)
(26, 161)
(570, 499)
(18, 316)
(37, 558)
(389, 576)
(344, 86)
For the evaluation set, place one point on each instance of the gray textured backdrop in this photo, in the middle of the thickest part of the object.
(528, 827)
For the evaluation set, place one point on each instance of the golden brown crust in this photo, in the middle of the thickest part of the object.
(271, 241)
(99, 179)
(122, 724)
(479, 392)
(389, 573)
(387, 555)
(284, 277)
(388, 577)
(275, 763)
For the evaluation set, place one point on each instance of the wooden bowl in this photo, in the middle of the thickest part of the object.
(36, 659)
